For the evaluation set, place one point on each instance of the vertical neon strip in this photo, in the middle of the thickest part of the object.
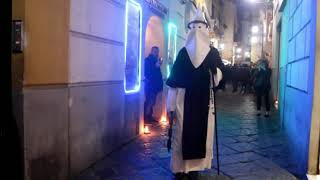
(175, 42)
(169, 46)
(138, 7)
(140, 48)
(172, 30)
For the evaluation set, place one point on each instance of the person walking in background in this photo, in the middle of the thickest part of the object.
(153, 82)
(262, 85)
(235, 70)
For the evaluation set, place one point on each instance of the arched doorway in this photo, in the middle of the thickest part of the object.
(155, 37)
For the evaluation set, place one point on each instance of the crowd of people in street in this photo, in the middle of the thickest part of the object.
(253, 79)
(242, 76)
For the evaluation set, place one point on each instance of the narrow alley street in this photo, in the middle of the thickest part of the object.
(84, 79)
(250, 148)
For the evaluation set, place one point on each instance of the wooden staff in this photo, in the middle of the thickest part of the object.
(171, 118)
(216, 130)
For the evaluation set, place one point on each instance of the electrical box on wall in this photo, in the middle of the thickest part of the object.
(17, 36)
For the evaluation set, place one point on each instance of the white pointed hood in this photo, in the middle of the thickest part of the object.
(198, 42)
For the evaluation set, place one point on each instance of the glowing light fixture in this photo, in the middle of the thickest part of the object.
(146, 130)
(225, 62)
(133, 10)
(255, 29)
(254, 40)
(222, 46)
(239, 50)
(172, 45)
(247, 54)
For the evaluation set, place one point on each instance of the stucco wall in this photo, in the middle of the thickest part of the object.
(46, 43)
(229, 12)
(74, 103)
(45, 97)
(75, 109)
(178, 16)
(46, 132)
(102, 116)
(96, 41)
(298, 68)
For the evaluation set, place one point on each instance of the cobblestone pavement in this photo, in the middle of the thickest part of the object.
(250, 148)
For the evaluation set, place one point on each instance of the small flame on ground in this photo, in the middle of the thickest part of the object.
(276, 104)
(164, 120)
(146, 130)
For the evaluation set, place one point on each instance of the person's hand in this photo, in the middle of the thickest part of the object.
(159, 62)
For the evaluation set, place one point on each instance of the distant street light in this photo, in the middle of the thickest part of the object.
(239, 50)
(267, 4)
(254, 40)
(222, 46)
(255, 29)
(247, 54)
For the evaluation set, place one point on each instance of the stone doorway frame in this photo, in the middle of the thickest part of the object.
(314, 145)
(156, 25)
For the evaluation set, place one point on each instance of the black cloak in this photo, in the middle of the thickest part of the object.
(196, 82)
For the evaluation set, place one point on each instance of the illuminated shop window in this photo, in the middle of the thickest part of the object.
(172, 46)
(132, 52)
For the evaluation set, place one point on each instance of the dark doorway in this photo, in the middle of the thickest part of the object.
(12, 158)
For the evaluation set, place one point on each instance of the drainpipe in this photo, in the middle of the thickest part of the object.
(313, 163)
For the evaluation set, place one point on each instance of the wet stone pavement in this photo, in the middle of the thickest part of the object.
(250, 148)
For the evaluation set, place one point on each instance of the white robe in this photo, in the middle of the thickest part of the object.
(175, 102)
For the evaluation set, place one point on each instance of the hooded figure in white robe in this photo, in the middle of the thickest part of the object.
(195, 73)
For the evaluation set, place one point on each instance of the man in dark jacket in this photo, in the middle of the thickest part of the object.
(153, 82)
(262, 85)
